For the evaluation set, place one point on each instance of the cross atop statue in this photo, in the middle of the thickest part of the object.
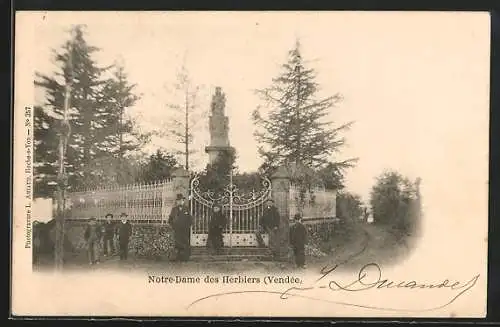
(218, 102)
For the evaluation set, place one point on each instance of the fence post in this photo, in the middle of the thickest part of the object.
(334, 206)
(280, 184)
(181, 182)
(165, 193)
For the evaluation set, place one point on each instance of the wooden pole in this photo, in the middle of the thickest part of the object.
(120, 130)
(61, 178)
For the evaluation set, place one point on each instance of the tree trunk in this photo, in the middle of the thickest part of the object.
(87, 130)
(186, 130)
(59, 231)
(297, 113)
(119, 171)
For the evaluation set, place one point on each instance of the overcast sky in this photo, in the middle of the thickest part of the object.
(416, 84)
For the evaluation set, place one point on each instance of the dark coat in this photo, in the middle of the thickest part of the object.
(109, 229)
(180, 219)
(217, 221)
(270, 217)
(215, 228)
(124, 232)
(92, 232)
(298, 235)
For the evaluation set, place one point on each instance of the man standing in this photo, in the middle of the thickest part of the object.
(92, 237)
(124, 233)
(181, 220)
(298, 239)
(269, 223)
(216, 226)
(109, 233)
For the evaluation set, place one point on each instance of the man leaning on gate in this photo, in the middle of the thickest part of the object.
(180, 219)
(269, 223)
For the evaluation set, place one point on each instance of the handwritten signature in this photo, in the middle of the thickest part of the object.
(369, 278)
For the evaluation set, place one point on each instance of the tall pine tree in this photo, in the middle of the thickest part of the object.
(296, 129)
(118, 135)
(94, 104)
(76, 68)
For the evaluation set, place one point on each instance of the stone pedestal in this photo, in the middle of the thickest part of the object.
(181, 182)
(214, 151)
(280, 182)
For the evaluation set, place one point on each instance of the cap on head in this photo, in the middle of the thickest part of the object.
(297, 216)
(270, 200)
(109, 215)
(216, 205)
(179, 196)
(123, 215)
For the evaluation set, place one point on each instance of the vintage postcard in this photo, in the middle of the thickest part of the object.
(251, 164)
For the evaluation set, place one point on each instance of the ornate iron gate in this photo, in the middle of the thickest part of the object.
(243, 212)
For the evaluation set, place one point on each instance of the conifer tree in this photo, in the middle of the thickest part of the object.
(93, 108)
(159, 166)
(296, 128)
(118, 134)
(216, 175)
(77, 68)
(46, 143)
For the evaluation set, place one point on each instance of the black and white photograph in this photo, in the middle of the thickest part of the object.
(306, 164)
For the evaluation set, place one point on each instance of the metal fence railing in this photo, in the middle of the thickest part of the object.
(142, 202)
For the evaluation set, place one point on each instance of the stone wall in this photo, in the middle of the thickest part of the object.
(74, 232)
(147, 240)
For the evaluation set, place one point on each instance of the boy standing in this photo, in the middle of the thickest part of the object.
(92, 237)
(109, 233)
(298, 239)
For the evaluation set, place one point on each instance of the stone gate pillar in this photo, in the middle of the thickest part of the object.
(280, 183)
(181, 182)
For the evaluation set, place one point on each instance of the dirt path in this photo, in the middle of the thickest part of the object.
(79, 263)
(371, 244)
